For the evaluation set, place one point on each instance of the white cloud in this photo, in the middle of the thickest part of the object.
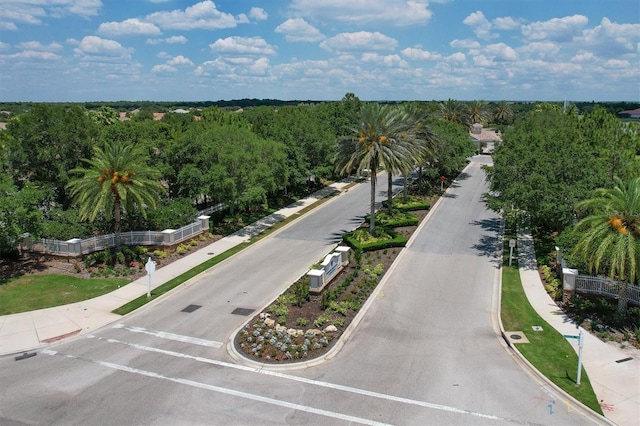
(481, 26)
(176, 40)
(169, 40)
(100, 47)
(384, 60)
(163, 68)
(360, 41)
(36, 45)
(33, 12)
(583, 56)
(483, 61)
(398, 13)
(540, 49)
(506, 23)
(32, 54)
(465, 44)
(617, 63)
(457, 57)
(179, 61)
(556, 29)
(417, 54)
(297, 29)
(242, 46)
(132, 26)
(203, 15)
(258, 13)
(501, 52)
(610, 39)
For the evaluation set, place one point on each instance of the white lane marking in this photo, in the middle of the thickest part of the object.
(316, 382)
(231, 392)
(171, 336)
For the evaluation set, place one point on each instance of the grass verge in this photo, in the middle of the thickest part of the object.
(548, 351)
(30, 292)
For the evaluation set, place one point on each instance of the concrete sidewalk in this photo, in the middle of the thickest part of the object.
(615, 381)
(27, 331)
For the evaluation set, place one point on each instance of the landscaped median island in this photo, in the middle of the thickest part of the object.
(306, 320)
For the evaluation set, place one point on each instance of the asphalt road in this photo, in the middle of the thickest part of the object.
(426, 352)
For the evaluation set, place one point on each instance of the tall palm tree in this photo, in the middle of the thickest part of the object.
(503, 113)
(610, 236)
(382, 136)
(115, 179)
(478, 112)
(454, 111)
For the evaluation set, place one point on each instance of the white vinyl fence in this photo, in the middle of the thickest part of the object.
(606, 287)
(77, 246)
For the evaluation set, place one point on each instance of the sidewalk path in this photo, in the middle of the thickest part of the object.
(616, 383)
(27, 331)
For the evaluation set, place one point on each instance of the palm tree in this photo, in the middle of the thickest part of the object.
(478, 112)
(115, 179)
(381, 137)
(611, 234)
(453, 111)
(503, 113)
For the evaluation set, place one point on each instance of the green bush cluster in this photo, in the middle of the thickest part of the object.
(552, 284)
(396, 219)
(412, 202)
(361, 239)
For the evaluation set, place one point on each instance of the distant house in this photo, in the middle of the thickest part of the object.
(485, 139)
(631, 113)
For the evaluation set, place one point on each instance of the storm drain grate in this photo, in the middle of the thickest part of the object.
(191, 308)
(624, 360)
(242, 311)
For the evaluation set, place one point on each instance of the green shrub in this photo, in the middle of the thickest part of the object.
(301, 322)
(327, 297)
(363, 240)
(301, 291)
(160, 254)
(183, 248)
(279, 309)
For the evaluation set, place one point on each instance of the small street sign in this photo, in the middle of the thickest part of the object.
(569, 336)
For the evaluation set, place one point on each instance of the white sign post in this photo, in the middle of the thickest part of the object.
(151, 268)
(512, 244)
(580, 338)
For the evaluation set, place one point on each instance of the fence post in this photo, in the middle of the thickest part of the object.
(568, 283)
(204, 221)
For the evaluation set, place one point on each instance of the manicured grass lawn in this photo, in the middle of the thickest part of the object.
(548, 351)
(31, 292)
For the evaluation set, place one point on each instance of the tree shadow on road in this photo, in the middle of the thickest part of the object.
(489, 243)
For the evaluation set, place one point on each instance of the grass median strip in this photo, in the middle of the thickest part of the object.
(175, 282)
(548, 351)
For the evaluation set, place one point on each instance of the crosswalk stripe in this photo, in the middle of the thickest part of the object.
(171, 336)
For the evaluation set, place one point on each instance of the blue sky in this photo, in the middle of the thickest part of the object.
(173, 50)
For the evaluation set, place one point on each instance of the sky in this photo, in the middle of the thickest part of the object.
(179, 50)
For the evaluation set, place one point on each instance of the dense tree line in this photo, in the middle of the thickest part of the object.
(245, 158)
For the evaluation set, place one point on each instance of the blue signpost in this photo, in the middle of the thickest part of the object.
(580, 338)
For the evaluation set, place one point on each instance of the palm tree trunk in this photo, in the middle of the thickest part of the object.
(623, 300)
(372, 213)
(405, 187)
(390, 192)
(116, 222)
